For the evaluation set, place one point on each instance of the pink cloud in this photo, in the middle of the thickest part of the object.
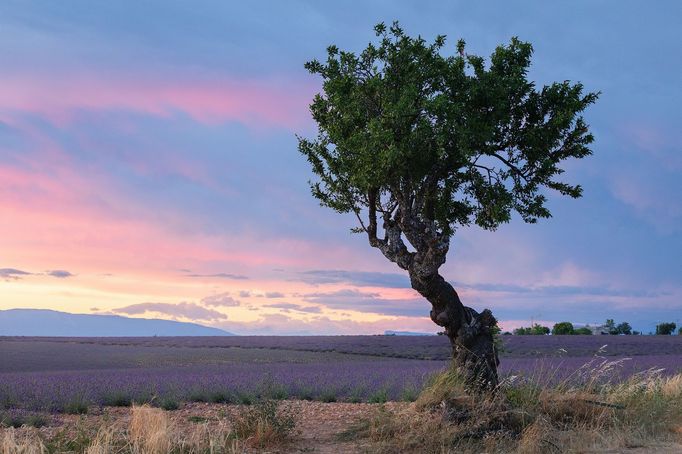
(255, 103)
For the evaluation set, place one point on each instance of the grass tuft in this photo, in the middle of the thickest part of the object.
(76, 406)
(263, 425)
(148, 430)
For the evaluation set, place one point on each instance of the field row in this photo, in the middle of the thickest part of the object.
(410, 347)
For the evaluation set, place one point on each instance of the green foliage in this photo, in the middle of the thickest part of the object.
(264, 424)
(583, 331)
(169, 404)
(665, 329)
(77, 406)
(17, 420)
(610, 326)
(563, 328)
(197, 419)
(535, 330)
(117, 399)
(327, 396)
(378, 397)
(36, 420)
(458, 139)
(621, 328)
(624, 328)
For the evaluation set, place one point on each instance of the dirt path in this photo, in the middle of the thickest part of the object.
(321, 423)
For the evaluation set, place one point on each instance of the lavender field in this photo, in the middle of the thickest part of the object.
(66, 374)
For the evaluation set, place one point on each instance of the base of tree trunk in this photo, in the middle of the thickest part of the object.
(474, 352)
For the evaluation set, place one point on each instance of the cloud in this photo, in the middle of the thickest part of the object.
(282, 324)
(61, 274)
(369, 302)
(13, 273)
(357, 278)
(295, 307)
(244, 294)
(221, 299)
(350, 293)
(250, 102)
(558, 290)
(190, 311)
(236, 277)
(274, 295)
(650, 193)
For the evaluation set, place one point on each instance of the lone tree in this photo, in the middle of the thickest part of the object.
(417, 143)
(563, 328)
(665, 329)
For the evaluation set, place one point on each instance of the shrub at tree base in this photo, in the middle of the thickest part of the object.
(523, 416)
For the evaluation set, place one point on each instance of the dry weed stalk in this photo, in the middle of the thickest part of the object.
(103, 442)
(148, 430)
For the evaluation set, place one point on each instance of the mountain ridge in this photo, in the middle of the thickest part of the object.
(51, 323)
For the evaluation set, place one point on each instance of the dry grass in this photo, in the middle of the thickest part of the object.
(150, 431)
(529, 417)
(11, 444)
(264, 425)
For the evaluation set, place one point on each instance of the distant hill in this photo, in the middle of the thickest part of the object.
(406, 333)
(42, 322)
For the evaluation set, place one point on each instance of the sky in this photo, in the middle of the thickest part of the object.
(148, 167)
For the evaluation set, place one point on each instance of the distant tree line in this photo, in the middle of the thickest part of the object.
(610, 327)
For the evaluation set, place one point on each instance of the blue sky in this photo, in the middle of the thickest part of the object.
(148, 148)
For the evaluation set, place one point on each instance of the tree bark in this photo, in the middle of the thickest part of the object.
(471, 334)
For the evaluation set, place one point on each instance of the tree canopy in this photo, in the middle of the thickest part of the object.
(439, 139)
(563, 328)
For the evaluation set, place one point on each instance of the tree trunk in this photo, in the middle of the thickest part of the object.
(471, 334)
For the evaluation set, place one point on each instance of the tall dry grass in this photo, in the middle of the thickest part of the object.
(10, 443)
(150, 431)
(588, 411)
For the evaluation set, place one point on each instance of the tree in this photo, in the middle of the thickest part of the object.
(416, 143)
(665, 329)
(583, 331)
(610, 326)
(535, 330)
(624, 328)
(563, 328)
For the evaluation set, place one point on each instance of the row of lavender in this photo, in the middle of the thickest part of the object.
(356, 381)
(410, 347)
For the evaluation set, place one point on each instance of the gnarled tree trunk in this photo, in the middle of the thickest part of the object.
(471, 334)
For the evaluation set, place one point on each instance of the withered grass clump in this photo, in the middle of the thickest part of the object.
(148, 431)
(263, 425)
(585, 412)
(10, 443)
